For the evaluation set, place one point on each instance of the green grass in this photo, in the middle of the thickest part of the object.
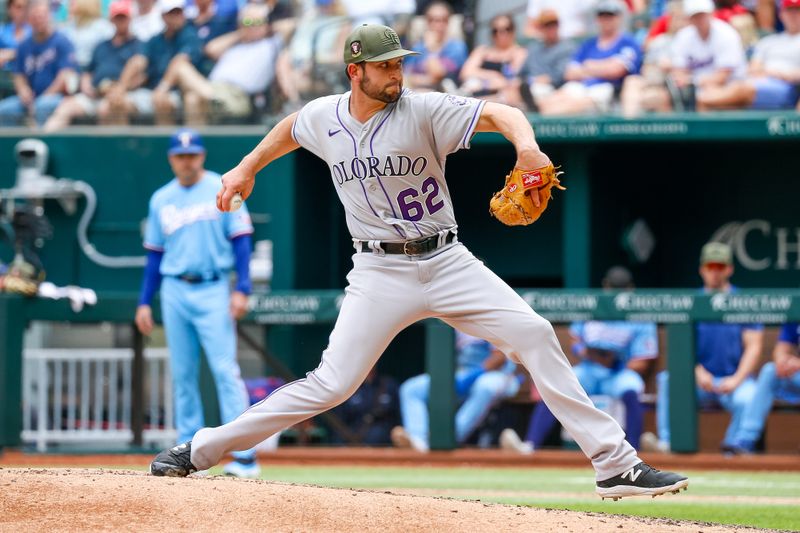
(723, 495)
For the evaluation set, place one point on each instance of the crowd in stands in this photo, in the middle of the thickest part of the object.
(230, 61)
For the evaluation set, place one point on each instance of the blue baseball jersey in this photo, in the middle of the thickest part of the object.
(194, 235)
(625, 49)
(40, 62)
(628, 340)
(719, 346)
(472, 352)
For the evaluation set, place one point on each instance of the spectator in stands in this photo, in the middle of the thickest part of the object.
(45, 62)
(597, 71)
(14, 31)
(441, 56)
(313, 57)
(727, 356)
(147, 21)
(646, 89)
(779, 379)
(372, 411)
(614, 356)
(484, 377)
(101, 74)
(394, 13)
(85, 28)
(742, 20)
(210, 22)
(491, 71)
(142, 77)
(574, 17)
(707, 53)
(774, 72)
(245, 66)
(548, 57)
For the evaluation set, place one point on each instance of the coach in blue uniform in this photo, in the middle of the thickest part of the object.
(192, 249)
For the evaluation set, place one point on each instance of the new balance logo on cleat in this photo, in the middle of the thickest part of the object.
(641, 480)
(631, 475)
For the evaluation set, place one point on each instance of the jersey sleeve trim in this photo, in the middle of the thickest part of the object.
(248, 231)
(465, 142)
(153, 247)
(294, 125)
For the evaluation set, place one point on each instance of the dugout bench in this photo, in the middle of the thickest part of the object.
(677, 310)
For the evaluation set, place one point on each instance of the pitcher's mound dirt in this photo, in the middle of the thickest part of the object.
(113, 500)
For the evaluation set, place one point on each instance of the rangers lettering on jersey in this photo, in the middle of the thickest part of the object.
(393, 166)
(173, 218)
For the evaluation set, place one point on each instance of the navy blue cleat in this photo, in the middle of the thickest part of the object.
(174, 462)
(641, 480)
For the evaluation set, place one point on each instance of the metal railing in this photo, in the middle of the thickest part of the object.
(87, 395)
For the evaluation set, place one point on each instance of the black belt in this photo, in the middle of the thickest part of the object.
(416, 247)
(198, 278)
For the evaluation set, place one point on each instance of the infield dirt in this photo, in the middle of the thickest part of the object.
(33, 499)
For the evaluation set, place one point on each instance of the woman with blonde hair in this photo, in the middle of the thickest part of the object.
(86, 28)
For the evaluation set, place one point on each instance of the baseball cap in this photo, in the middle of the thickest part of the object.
(373, 42)
(169, 5)
(618, 277)
(119, 7)
(609, 6)
(787, 4)
(693, 7)
(186, 141)
(716, 252)
(547, 16)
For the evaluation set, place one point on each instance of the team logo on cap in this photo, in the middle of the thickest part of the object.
(355, 48)
(391, 37)
(185, 138)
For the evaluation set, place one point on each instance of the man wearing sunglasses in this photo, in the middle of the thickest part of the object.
(727, 356)
(245, 66)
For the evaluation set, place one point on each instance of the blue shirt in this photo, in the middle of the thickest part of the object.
(719, 346)
(185, 224)
(40, 62)
(108, 60)
(471, 352)
(627, 340)
(160, 51)
(7, 38)
(452, 55)
(625, 49)
(790, 333)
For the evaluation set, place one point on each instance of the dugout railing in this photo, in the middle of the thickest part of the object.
(676, 310)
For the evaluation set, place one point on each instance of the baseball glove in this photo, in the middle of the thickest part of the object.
(512, 205)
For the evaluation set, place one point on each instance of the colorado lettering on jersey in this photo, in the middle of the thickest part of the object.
(375, 167)
(173, 218)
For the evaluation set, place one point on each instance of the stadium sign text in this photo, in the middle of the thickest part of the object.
(744, 236)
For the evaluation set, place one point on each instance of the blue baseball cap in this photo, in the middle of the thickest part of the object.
(186, 141)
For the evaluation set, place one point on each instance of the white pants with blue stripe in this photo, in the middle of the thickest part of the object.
(195, 316)
(387, 293)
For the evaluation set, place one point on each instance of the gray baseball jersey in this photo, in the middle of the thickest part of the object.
(389, 171)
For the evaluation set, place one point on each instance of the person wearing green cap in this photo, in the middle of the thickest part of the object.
(386, 149)
(727, 356)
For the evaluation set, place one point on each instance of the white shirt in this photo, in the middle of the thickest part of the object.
(573, 15)
(722, 50)
(779, 52)
(144, 27)
(249, 66)
(375, 11)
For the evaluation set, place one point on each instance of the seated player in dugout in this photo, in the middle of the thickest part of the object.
(615, 356)
(408, 263)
